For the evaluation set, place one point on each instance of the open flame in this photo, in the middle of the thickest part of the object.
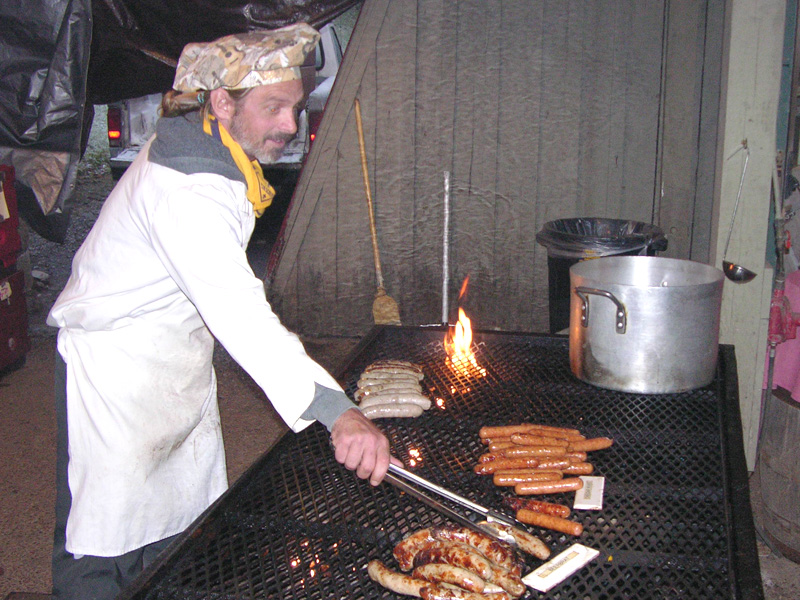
(458, 346)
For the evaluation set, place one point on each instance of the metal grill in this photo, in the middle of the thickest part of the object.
(676, 521)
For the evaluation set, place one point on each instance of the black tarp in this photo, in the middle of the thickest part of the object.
(136, 43)
(44, 49)
(59, 57)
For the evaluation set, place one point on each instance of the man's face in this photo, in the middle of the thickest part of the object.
(266, 119)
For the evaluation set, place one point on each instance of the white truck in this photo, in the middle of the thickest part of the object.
(132, 122)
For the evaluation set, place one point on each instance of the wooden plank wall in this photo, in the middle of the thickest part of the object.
(538, 109)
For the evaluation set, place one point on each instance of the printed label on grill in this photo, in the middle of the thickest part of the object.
(557, 569)
(590, 496)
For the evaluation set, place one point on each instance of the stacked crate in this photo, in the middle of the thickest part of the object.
(14, 341)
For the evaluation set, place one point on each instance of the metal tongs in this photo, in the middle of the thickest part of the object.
(397, 476)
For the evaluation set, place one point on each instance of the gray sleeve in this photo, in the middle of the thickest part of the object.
(327, 406)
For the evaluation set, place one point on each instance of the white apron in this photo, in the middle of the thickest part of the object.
(162, 270)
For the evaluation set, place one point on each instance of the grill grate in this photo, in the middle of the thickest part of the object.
(297, 525)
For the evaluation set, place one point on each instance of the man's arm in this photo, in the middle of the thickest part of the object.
(361, 447)
(358, 444)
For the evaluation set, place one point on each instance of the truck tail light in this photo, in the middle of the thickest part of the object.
(114, 120)
(314, 119)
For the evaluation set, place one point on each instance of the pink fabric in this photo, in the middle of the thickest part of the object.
(787, 354)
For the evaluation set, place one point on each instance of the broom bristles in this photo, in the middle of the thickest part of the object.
(384, 309)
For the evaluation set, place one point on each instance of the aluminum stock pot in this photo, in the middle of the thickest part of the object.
(644, 324)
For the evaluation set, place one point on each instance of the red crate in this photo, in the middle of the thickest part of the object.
(10, 242)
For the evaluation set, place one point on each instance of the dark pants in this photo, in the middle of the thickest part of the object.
(88, 577)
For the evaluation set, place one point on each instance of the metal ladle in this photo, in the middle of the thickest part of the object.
(734, 272)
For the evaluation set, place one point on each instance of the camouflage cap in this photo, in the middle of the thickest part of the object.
(245, 60)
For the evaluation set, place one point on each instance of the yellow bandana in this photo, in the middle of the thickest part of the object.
(259, 191)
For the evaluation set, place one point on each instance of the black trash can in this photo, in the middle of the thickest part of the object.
(569, 241)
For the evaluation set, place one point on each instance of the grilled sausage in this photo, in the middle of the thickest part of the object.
(547, 508)
(589, 445)
(487, 441)
(392, 580)
(531, 517)
(389, 364)
(497, 552)
(368, 390)
(497, 446)
(579, 468)
(442, 573)
(379, 376)
(526, 439)
(405, 551)
(437, 592)
(460, 555)
(513, 477)
(490, 456)
(525, 541)
(553, 464)
(385, 411)
(544, 451)
(453, 553)
(502, 431)
(554, 431)
(505, 464)
(548, 487)
(576, 456)
(571, 436)
(397, 398)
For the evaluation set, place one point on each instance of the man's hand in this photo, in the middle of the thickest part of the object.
(361, 447)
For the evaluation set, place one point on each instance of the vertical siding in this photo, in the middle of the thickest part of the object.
(539, 109)
(433, 130)
(392, 155)
(515, 266)
(685, 58)
(556, 128)
(475, 157)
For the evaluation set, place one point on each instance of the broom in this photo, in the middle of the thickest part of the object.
(384, 309)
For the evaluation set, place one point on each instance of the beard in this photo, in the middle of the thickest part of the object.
(256, 146)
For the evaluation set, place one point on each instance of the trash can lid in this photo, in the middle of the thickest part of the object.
(592, 237)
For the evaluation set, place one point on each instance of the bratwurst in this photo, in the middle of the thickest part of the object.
(392, 580)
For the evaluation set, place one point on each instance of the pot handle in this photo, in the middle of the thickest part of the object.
(622, 319)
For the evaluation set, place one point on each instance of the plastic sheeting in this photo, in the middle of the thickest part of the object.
(59, 57)
(44, 50)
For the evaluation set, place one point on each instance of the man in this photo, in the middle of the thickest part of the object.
(160, 276)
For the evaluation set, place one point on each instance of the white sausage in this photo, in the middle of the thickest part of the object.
(396, 365)
(444, 573)
(371, 390)
(439, 592)
(397, 398)
(392, 580)
(381, 411)
(379, 376)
